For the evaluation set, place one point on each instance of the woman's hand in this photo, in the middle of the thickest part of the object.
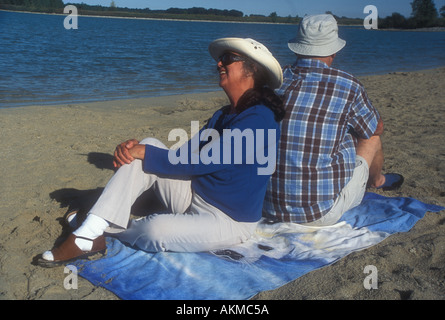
(127, 152)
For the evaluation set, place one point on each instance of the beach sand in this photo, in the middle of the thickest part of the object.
(54, 156)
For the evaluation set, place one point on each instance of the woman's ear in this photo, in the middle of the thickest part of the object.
(250, 68)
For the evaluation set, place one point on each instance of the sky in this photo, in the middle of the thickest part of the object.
(284, 8)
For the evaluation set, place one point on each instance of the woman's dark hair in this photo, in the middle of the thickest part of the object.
(260, 94)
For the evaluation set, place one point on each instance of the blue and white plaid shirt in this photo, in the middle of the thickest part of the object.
(326, 110)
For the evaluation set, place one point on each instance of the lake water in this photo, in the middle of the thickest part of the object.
(43, 63)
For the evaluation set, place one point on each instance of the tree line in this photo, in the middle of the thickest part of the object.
(195, 13)
(198, 10)
(33, 5)
(424, 13)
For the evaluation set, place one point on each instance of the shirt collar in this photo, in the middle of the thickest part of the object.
(310, 63)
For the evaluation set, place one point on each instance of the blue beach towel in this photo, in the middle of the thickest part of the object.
(278, 254)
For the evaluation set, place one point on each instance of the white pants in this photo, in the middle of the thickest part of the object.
(192, 226)
(350, 197)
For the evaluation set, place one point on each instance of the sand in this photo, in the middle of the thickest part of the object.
(54, 156)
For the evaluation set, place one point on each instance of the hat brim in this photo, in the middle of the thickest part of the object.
(316, 51)
(253, 50)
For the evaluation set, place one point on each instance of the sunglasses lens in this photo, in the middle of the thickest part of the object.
(229, 58)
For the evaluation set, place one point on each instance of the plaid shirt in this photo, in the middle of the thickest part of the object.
(326, 110)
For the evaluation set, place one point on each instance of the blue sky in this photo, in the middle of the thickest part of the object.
(348, 8)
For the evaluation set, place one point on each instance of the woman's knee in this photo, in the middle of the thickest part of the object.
(150, 233)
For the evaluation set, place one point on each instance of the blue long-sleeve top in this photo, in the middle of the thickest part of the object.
(229, 172)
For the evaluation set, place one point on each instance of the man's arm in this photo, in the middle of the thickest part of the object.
(379, 130)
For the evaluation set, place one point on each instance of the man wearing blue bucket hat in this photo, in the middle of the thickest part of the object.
(330, 149)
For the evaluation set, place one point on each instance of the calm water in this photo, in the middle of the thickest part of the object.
(41, 62)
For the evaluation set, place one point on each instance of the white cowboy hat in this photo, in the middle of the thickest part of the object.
(317, 36)
(253, 50)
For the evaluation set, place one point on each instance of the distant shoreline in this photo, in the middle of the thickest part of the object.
(152, 18)
(155, 19)
(431, 29)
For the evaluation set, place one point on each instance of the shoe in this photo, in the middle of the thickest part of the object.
(68, 251)
(393, 181)
(73, 219)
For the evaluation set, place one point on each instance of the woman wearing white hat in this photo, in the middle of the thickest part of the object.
(211, 205)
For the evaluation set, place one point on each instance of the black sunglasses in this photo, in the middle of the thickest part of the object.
(229, 58)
